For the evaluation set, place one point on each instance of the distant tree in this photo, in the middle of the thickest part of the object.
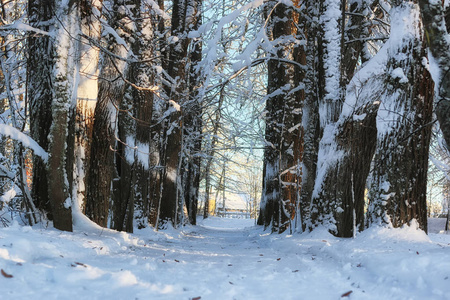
(436, 25)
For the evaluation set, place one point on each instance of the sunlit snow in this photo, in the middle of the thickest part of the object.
(222, 259)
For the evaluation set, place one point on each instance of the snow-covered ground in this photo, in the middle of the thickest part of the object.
(222, 259)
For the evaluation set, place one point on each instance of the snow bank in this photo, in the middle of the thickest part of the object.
(234, 263)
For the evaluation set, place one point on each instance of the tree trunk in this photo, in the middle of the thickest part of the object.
(51, 106)
(39, 87)
(60, 161)
(87, 91)
(111, 92)
(143, 100)
(185, 17)
(348, 145)
(397, 191)
(192, 127)
(283, 152)
(436, 24)
(330, 92)
(310, 118)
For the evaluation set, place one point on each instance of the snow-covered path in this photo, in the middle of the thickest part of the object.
(222, 260)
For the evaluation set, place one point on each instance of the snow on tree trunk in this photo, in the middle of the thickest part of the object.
(123, 184)
(310, 114)
(156, 137)
(144, 77)
(330, 92)
(436, 20)
(282, 153)
(171, 129)
(345, 164)
(87, 91)
(397, 191)
(39, 65)
(111, 91)
(185, 16)
(60, 161)
(131, 187)
(192, 121)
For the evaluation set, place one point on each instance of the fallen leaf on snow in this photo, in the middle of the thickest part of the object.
(346, 294)
(80, 264)
(6, 275)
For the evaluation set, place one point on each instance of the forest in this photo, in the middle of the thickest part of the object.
(133, 113)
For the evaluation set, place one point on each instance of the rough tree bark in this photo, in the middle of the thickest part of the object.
(128, 148)
(350, 142)
(331, 96)
(60, 163)
(282, 153)
(436, 23)
(192, 121)
(87, 91)
(185, 17)
(39, 65)
(111, 91)
(143, 100)
(397, 191)
(172, 127)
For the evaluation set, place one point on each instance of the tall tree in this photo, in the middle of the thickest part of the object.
(51, 97)
(60, 164)
(87, 91)
(192, 120)
(143, 73)
(185, 17)
(39, 65)
(111, 90)
(397, 192)
(348, 144)
(310, 118)
(331, 95)
(436, 19)
(282, 153)
(131, 199)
